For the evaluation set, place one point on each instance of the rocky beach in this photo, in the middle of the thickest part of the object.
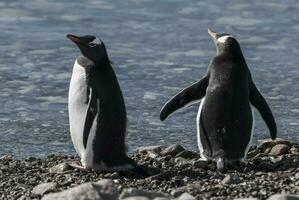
(272, 168)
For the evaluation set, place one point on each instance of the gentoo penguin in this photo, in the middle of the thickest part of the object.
(97, 112)
(225, 119)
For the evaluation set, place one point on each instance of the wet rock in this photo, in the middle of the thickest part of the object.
(44, 188)
(172, 150)
(186, 196)
(131, 192)
(114, 175)
(231, 179)
(284, 197)
(60, 168)
(188, 154)
(101, 190)
(279, 149)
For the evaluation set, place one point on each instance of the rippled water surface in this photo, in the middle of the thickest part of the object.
(158, 48)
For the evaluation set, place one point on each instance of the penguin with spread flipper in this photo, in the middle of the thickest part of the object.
(227, 93)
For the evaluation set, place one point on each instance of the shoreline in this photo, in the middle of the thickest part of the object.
(271, 168)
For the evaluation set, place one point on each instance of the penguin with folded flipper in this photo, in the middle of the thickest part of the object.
(97, 112)
(225, 119)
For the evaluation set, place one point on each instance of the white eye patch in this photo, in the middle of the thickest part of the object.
(97, 41)
(224, 38)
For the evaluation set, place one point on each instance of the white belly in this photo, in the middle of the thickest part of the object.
(200, 147)
(77, 107)
(198, 130)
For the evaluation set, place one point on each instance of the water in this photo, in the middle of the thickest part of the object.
(158, 48)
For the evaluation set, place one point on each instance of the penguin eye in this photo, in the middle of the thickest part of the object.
(92, 44)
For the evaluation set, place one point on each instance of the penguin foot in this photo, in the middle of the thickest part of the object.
(79, 167)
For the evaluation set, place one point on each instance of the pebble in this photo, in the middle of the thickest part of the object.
(279, 149)
(284, 197)
(44, 188)
(131, 192)
(136, 198)
(200, 163)
(231, 179)
(172, 150)
(60, 168)
(186, 196)
(103, 189)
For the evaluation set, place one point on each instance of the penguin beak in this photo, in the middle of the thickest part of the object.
(77, 40)
(212, 34)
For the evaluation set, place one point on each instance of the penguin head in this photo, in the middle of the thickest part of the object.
(224, 42)
(91, 47)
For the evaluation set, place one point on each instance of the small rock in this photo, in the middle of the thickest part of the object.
(161, 176)
(294, 150)
(186, 196)
(30, 159)
(114, 175)
(187, 154)
(230, 179)
(23, 197)
(172, 150)
(6, 157)
(131, 192)
(152, 155)
(250, 198)
(101, 190)
(161, 198)
(57, 169)
(156, 149)
(200, 163)
(284, 197)
(136, 198)
(279, 149)
(176, 193)
(44, 188)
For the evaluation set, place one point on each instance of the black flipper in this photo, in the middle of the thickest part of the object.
(90, 116)
(258, 101)
(194, 92)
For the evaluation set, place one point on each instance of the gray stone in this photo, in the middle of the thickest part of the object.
(284, 197)
(136, 198)
(176, 193)
(156, 149)
(186, 196)
(101, 190)
(44, 188)
(250, 198)
(60, 168)
(230, 179)
(172, 150)
(131, 192)
(279, 149)
(161, 198)
(200, 163)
